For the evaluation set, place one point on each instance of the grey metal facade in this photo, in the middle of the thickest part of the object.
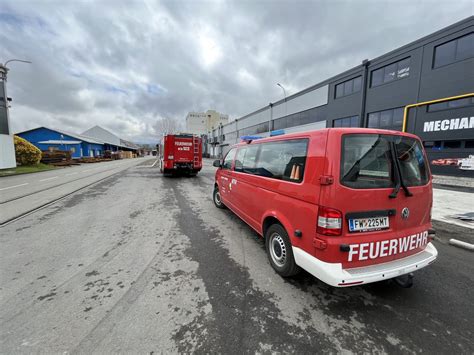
(437, 66)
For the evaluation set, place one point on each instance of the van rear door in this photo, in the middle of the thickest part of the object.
(415, 206)
(378, 177)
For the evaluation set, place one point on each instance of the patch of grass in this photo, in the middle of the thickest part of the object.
(26, 169)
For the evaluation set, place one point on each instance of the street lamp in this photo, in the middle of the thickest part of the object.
(284, 95)
(16, 60)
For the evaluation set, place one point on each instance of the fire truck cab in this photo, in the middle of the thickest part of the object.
(181, 153)
(349, 205)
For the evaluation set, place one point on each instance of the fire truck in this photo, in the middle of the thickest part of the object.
(180, 153)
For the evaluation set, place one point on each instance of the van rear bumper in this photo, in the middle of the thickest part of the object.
(333, 274)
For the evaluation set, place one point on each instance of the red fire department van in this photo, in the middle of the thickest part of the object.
(181, 153)
(349, 205)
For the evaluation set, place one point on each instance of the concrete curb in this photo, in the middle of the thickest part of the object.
(461, 244)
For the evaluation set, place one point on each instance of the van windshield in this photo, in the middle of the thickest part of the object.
(368, 162)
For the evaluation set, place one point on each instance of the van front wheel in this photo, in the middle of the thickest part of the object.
(216, 196)
(279, 251)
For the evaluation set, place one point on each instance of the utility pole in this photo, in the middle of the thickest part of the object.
(7, 151)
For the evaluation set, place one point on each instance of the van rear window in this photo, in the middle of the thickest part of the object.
(368, 162)
(414, 170)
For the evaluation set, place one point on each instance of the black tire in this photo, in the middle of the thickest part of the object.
(216, 197)
(279, 251)
(167, 172)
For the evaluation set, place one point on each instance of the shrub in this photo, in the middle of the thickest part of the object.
(25, 152)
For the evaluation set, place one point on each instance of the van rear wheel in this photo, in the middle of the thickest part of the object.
(216, 197)
(279, 251)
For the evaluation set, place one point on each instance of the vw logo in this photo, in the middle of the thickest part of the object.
(405, 213)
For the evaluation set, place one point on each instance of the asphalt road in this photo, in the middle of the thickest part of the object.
(22, 193)
(143, 263)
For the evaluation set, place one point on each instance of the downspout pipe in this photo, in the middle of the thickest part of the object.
(365, 79)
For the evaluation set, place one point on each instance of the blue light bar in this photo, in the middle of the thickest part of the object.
(248, 139)
(278, 132)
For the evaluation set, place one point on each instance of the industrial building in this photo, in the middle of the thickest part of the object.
(79, 145)
(202, 122)
(109, 139)
(432, 79)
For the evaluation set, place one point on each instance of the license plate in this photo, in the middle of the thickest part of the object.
(368, 224)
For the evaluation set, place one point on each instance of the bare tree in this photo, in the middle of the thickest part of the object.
(167, 126)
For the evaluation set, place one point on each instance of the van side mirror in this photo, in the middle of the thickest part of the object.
(217, 163)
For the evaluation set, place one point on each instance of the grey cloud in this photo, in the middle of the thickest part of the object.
(95, 61)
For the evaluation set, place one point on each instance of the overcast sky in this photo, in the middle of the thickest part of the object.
(124, 64)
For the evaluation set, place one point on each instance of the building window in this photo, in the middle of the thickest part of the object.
(258, 128)
(454, 51)
(469, 144)
(452, 144)
(391, 72)
(387, 119)
(231, 137)
(312, 115)
(352, 121)
(434, 145)
(467, 101)
(348, 87)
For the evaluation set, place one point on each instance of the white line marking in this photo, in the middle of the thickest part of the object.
(154, 163)
(51, 178)
(12, 187)
(70, 174)
(85, 171)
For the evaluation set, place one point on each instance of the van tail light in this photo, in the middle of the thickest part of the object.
(329, 221)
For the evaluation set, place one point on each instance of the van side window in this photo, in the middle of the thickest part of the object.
(250, 159)
(228, 159)
(239, 158)
(283, 160)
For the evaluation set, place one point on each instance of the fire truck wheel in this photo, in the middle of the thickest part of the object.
(216, 197)
(279, 251)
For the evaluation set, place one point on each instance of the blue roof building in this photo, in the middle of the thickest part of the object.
(80, 145)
